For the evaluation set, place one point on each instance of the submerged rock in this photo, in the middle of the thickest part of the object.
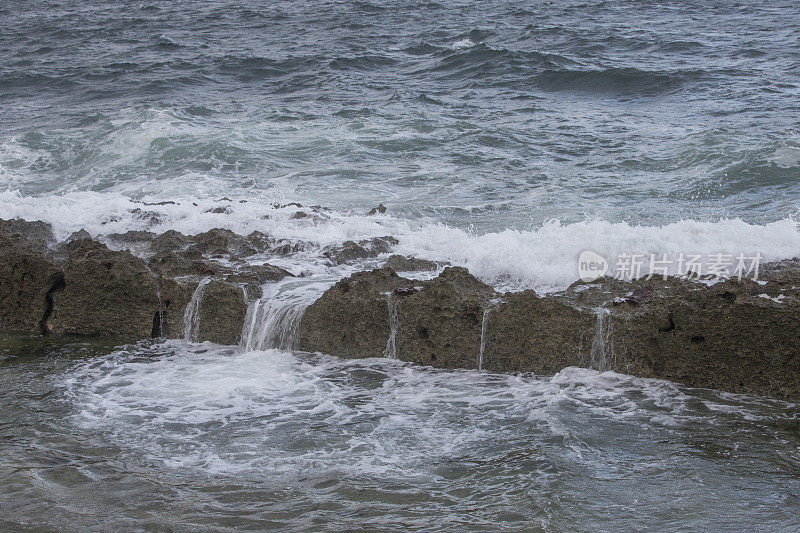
(379, 209)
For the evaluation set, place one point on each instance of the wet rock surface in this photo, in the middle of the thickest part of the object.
(740, 336)
(85, 287)
(352, 318)
(28, 278)
(104, 292)
(440, 323)
(351, 251)
(221, 312)
(400, 263)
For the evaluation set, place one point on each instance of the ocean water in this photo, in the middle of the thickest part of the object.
(502, 136)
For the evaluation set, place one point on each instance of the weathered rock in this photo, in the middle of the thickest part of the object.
(174, 264)
(28, 279)
(30, 231)
(735, 336)
(174, 296)
(252, 277)
(352, 318)
(740, 336)
(138, 243)
(79, 235)
(222, 242)
(170, 241)
(104, 293)
(150, 217)
(352, 251)
(529, 333)
(261, 242)
(133, 236)
(440, 324)
(723, 337)
(379, 209)
(400, 263)
(222, 311)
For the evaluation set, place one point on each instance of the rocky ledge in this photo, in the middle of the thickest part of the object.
(739, 336)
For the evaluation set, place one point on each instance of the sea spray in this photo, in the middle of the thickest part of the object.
(601, 342)
(391, 343)
(191, 316)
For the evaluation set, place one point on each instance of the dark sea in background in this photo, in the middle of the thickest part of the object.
(506, 137)
(496, 114)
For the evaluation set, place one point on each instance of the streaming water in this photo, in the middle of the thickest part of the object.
(484, 325)
(191, 315)
(601, 342)
(274, 319)
(391, 347)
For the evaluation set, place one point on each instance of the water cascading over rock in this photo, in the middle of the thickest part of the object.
(391, 343)
(601, 342)
(191, 317)
(273, 320)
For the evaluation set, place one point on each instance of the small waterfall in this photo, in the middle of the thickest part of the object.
(191, 316)
(601, 342)
(484, 325)
(391, 347)
(274, 320)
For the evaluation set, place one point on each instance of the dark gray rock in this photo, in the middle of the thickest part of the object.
(218, 242)
(351, 251)
(352, 318)
(738, 336)
(30, 231)
(28, 278)
(400, 263)
(379, 209)
(104, 293)
(222, 311)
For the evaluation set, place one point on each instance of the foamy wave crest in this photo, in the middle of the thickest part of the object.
(544, 258)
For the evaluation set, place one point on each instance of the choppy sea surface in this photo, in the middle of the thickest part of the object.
(506, 137)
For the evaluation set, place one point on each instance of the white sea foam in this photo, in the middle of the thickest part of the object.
(222, 410)
(463, 43)
(544, 258)
(786, 157)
